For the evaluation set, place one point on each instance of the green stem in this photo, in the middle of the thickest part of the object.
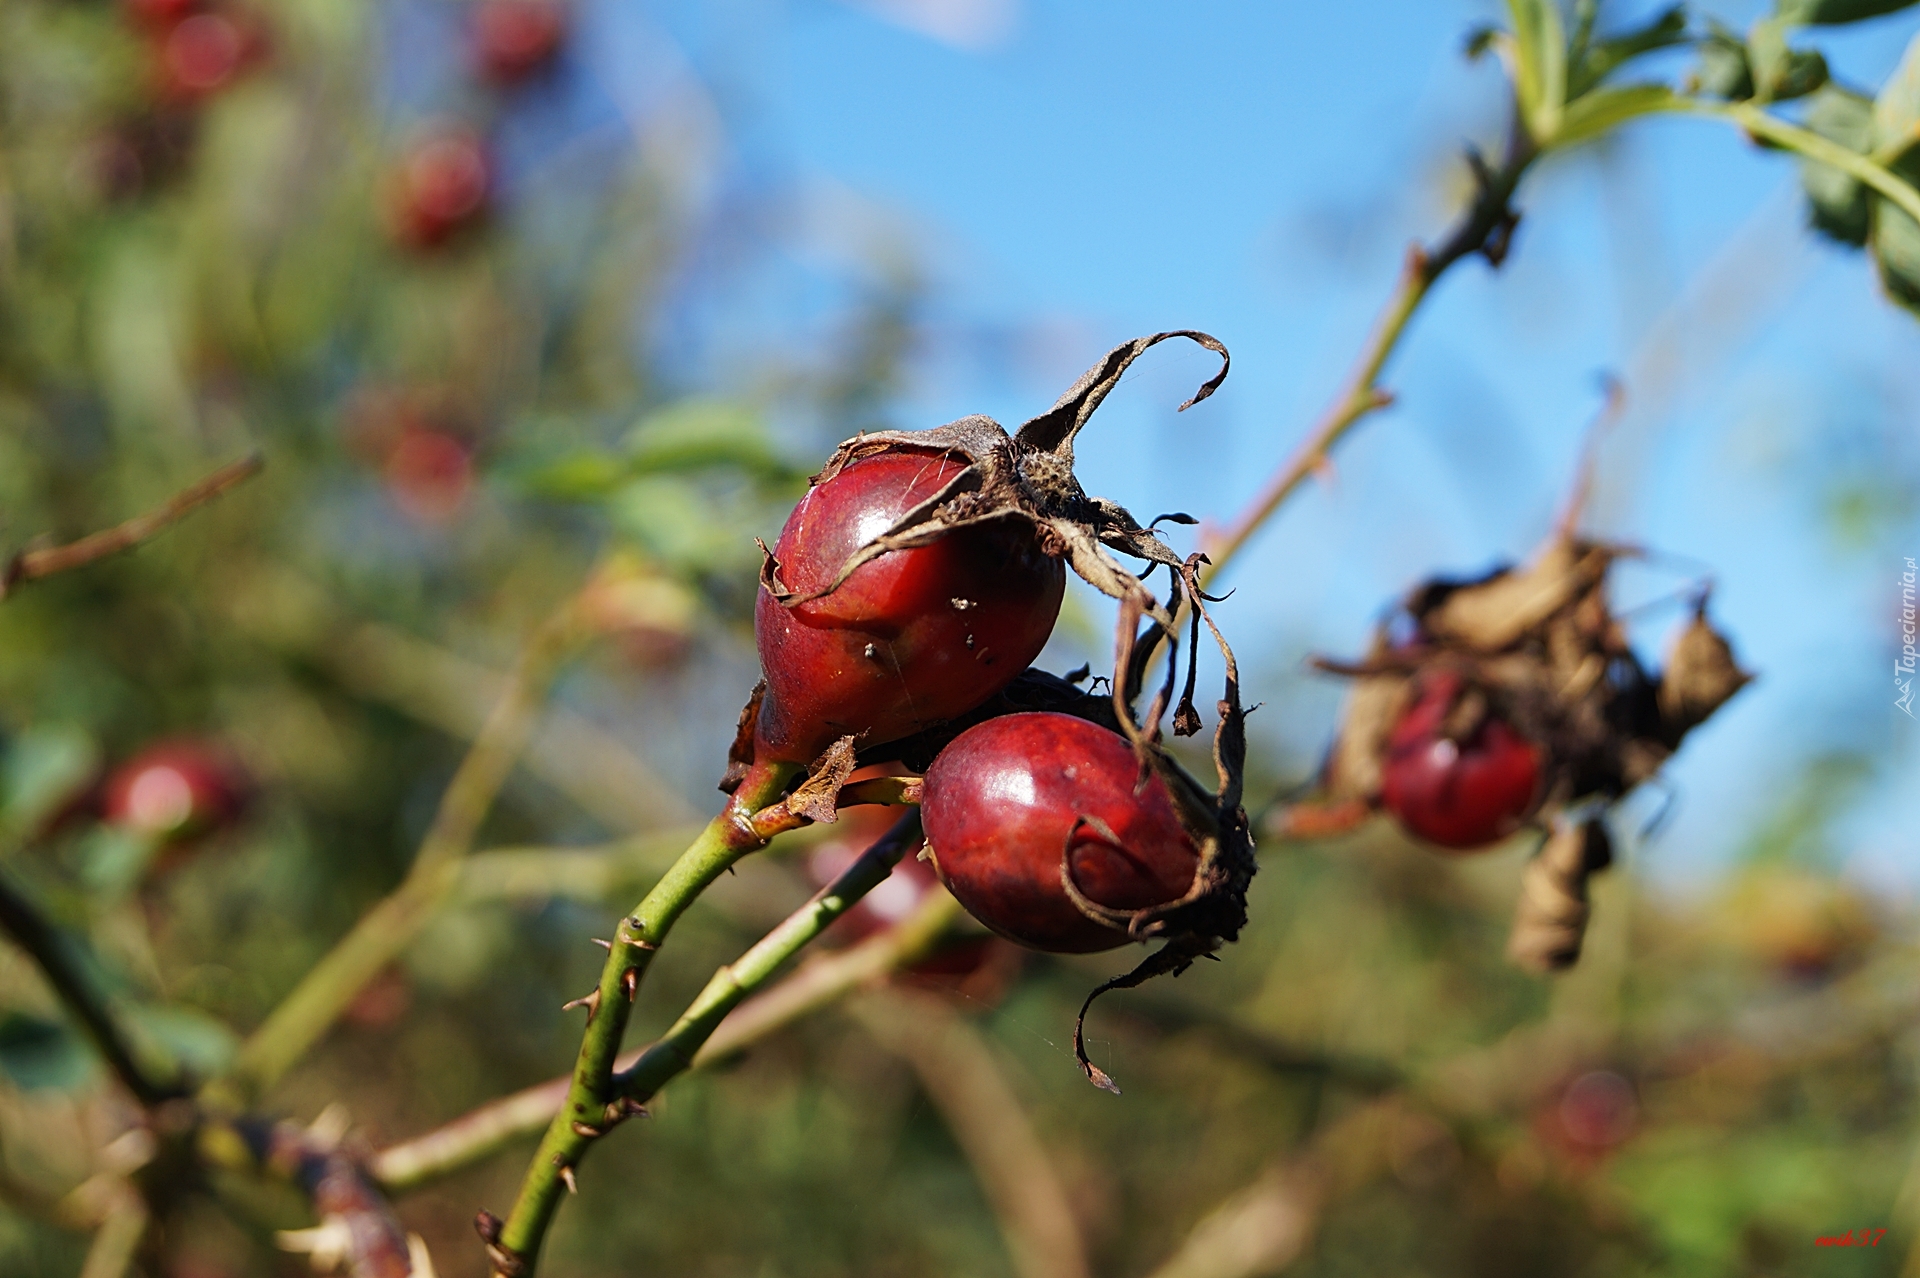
(727, 838)
(384, 932)
(1805, 142)
(480, 1133)
(678, 1049)
(55, 955)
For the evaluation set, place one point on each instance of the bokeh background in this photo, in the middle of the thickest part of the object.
(505, 334)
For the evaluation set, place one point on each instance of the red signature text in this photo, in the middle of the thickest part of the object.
(1853, 1238)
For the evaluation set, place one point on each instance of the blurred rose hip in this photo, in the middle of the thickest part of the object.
(429, 474)
(1457, 789)
(175, 791)
(513, 40)
(441, 187)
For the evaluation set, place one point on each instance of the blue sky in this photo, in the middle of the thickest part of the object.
(1065, 176)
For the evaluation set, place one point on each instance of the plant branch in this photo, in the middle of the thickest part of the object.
(1791, 137)
(824, 980)
(1485, 228)
(115, 1243)
(58, 960)
(32, 565)
(597, 1098)
(958, 1071)
(386, 930)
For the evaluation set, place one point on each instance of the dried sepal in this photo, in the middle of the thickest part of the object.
(1540, 648)
(817, 798)
(740, 753)
(1700, 675)
(1214, 908)
(1550, 917)
(1029, 476)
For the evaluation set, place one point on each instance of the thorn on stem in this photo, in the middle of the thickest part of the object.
(586, 1131)
(591, 1002)
(506, 1262)
(603, 944)
(619, 1111)
(629, 983)
(568, 1179)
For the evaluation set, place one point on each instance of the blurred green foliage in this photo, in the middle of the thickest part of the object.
(462, 436)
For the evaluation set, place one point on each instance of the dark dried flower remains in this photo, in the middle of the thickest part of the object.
(1540, 648)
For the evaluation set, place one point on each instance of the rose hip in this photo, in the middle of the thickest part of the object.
(912, 638)
(1462, 793)
(1005, 799)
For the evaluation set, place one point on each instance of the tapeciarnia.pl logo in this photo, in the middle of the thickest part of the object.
(1903, 666)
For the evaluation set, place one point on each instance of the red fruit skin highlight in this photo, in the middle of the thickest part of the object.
(1000, 803)
(1461, 795)
(912, 638)
(175, 790)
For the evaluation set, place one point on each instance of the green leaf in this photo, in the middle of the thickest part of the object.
(45, 769)
(38, 1055)
(576, 476)
(1725, 69)
(1780, 73)
(1815, 13)
(1896, 116)
(699, 434)
(1838, 206)
(1604, 109)
(691, 436)
(198, 1044)
(1896, 138)
(1604, 57)
(1540, 66)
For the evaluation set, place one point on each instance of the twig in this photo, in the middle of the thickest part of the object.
(960, 1075)
(32, 565)
(483, 1131)
(386, 930)
(115, 1243)
(1760, 124)
(54, 953)
(1485, 228)
(453, 694)
(597, 1098)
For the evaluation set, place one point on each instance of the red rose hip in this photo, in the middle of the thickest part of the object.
(1000, 806)
(912, 638)
(1460, 794)
(175, 791)
(515, 39)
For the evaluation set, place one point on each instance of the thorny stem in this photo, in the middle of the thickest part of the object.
(478, 1134)
(55, 955)
(32, 565)
(598, 1098)
(385, 931)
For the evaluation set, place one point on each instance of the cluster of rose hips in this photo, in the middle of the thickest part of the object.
(194, 50)
(443, 183)
(197, 48)
(901, 605)
(1513, 700)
